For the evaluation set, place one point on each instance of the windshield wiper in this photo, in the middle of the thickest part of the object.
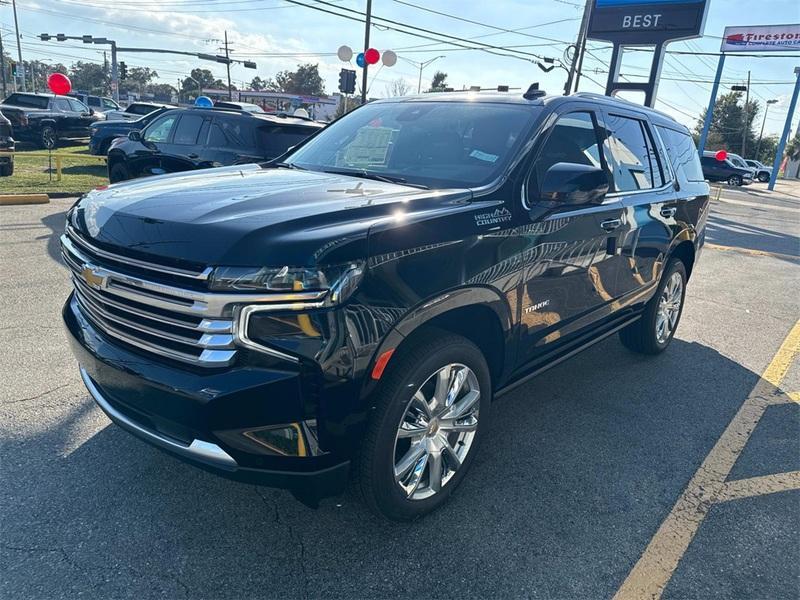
(364, 174)
(283, 165)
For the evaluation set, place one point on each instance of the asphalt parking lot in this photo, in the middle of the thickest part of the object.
(609, 475)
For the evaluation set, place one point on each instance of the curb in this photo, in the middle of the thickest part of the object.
(12, 199)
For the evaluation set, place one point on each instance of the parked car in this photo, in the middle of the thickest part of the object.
(102, 133)
(100, 104)
(245, 106)
(356, 305)
(44, 119)
(6, 145)
(199, 138)
(725, 170)
(738, 161)
(135, 110)
(763, 172)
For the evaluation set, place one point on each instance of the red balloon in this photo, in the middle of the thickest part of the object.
(59, 83)
(721, 155)
(372, 56)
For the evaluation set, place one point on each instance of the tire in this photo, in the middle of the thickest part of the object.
(118, 172)
(104, 146)
(48, 138)
(763, 177)
(735, 180)
(7, 170)
(412, 378)
(646, 335)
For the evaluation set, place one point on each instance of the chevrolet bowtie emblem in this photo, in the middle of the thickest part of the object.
(92, 277)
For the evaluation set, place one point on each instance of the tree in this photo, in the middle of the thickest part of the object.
(766, 152)
(438, 82)
(727, 123)
(89, 77)
(305, 81)
(200, 78)
(399, 87)
(137, 80)
(162, 92)
(258, 84)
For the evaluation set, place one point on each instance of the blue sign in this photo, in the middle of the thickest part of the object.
(647, 22)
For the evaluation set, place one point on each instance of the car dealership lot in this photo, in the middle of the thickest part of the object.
(588, 470)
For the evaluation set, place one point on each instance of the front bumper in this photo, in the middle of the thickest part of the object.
(201, 417)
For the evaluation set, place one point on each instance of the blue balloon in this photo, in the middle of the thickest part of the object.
(360, 61)
(203, 102)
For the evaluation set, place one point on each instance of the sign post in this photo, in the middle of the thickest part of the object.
(652, 23)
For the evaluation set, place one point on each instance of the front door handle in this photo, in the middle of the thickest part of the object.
(668, 212)
(192, 155)
(611, 224)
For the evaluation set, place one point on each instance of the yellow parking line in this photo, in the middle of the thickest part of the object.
(652, 572)
(749, 251)
(793, 396)
(759, 486)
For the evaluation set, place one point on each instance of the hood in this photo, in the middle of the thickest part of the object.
(122, 125)
(248, 215)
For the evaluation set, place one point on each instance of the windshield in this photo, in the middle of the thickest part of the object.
(435, 144)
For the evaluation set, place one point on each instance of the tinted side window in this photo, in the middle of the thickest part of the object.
(633, 157)
(572, 140)
(27, 100)
(274, 140)
(78, 106)
(140, 109)
(188, 130)
(159, 129)
(61, 104)
(683, 154)
(94, 101)
(237, 131)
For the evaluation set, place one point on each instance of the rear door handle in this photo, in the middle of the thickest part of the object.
(192, 155)
(611, 224)
(668, 212)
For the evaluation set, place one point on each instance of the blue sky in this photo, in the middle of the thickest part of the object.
(278, 35)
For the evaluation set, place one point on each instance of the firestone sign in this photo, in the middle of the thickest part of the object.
(761, 38)
(647, 22)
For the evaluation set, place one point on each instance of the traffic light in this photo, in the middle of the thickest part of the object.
(123, 70)
(61, 37)
(347, 81)
(44, 37)
(13, 69)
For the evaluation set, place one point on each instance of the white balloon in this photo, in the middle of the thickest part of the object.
(389, 58)
(345, 53)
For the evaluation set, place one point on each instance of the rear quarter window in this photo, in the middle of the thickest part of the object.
(682, 154)
(274, 140)
(27, 101)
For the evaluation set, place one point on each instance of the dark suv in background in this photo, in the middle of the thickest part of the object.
(356, 306)
(7, 144)
(44, 119)
(102, 133)
(199, 138)
(725, 170)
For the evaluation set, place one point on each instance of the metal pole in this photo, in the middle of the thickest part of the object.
(228, 66)
(19, 45)
(763, 123)
(746, 127)
(3, 66)
(583, 47)
(578, 44)
(419, 84)
(114, 73)
(367, 26)
(786, 129)
(711, 101)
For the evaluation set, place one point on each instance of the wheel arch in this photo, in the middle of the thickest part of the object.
(684, 248)
(480, 314)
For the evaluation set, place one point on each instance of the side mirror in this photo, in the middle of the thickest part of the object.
(572, 183)
(91, 111)
(135, 135)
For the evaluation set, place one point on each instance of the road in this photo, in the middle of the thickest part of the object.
(589, 484)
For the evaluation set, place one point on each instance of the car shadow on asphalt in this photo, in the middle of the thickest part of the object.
(55, 223)
(726, 232)
(576, 472)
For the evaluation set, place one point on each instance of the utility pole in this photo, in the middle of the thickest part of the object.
(228, 66)
(580, 46)
(764, 122)
(3, 66)
(745, 128)
(367, 26)
(21, 67)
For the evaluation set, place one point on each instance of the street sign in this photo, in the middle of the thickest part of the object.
(647, 22)
(761, 38)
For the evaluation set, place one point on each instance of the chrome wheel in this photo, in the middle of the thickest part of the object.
(437, 431)
(669, 308)
(48, 138)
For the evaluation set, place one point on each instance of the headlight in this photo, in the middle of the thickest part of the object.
(340, 281)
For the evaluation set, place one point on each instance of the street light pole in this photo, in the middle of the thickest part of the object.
(3, 66)
(746, 128)
(21, 67)
(367, 26)
(228, 66)
(764, 122)
(421, 66)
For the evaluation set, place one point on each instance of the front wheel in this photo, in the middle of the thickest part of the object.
(734, 180)
(654, 331)
(763, 177)
(431, 410)
(118, 172)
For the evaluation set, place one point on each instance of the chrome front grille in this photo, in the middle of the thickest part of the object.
(166, 310)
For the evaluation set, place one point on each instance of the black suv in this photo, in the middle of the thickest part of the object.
(6, 145)
(724, 170)
(199, 138)
(44, 119)
(357, 305)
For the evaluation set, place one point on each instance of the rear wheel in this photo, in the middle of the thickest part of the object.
(48, 138)
(7, 170)
(734, 180)
(654, 331)
(763, 177)
(431, 410)
(118, 172)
